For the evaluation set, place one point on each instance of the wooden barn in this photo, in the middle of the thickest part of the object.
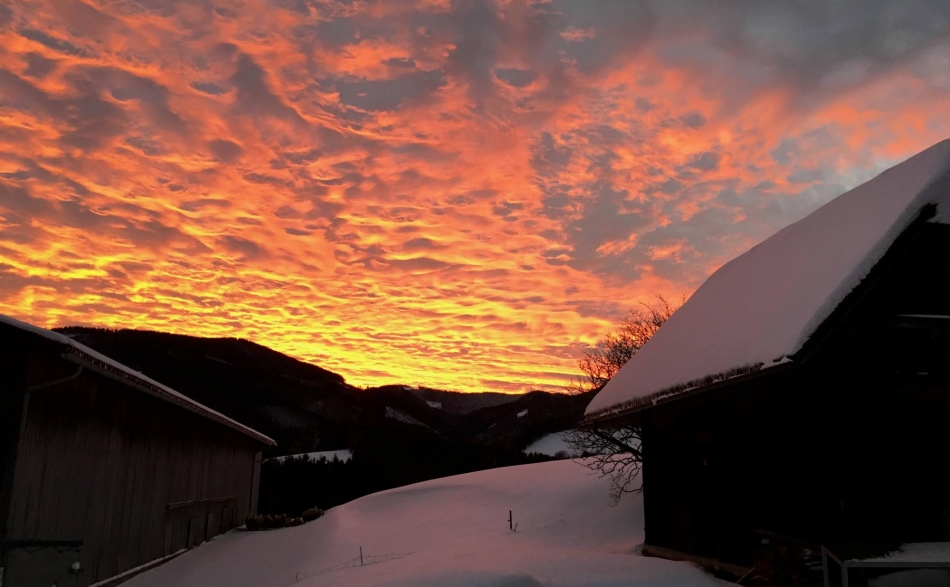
(105, 471)
(803, 392)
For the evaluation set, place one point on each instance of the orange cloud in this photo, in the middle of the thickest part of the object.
(451, 194)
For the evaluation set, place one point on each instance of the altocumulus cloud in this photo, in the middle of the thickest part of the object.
(449, 193)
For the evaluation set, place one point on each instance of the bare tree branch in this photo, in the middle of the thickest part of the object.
(615, 451)
(602, 360)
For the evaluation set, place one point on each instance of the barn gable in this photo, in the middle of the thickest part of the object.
(105, 472)
(90, 359)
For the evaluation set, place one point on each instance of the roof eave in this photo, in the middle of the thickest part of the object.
(75, 355)
(662, 397)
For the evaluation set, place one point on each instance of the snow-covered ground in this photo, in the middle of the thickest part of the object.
(450, 532)
(550, 445)
(343, 455)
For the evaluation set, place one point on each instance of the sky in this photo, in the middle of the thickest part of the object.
(453, 194)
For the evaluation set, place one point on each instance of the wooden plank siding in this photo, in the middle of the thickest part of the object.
(101, 463)
(848, 443)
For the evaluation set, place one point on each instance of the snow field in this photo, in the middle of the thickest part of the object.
(550, 445)
(450, 532)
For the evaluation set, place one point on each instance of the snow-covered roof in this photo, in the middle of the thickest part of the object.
(759, 309)
(85, 355)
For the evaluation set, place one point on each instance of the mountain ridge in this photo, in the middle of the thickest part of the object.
(307, 408)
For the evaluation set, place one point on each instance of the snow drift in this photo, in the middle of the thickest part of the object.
(450, 532)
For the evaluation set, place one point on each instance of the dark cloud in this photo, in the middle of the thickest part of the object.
(18, 205)
(20, 175)
(226, 12)
(195, 205)
(477, 29)
(11, 281)
(130, 224)
(333, 33)
(38, 66)
(244, 247)
(419, 264)
(300, 7)
(708, 161)
(147, 145)
(151, 96)
(812, 46)
(645, 104)
(254, 96)
(616, 27)
(264, 179)
(287, 212)
(783, 153)
(209, 88)
(693, 120)
(515, 77)
(162, 8)
(53, 43)
(83, 20)
(401, 63)
(557, 205)
(225, 151)
(805, 175)
(420, 244)
(506, 208)
(297, 232)
(375, 95)
(92, 120)
(24, 95)
(609, 217)
(548, 156)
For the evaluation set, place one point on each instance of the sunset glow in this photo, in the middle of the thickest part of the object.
(451, 194)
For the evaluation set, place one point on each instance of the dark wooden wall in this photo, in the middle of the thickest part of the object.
(820, 462)
(131, 476)
(849, 445)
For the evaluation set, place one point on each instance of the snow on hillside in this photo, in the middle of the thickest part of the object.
(550, 445)
(403, 417)
(450, 532)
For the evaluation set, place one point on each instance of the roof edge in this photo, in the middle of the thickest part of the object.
(810, 344)
(145, 385)
(75, 352)
(921, 212)
(682, 390)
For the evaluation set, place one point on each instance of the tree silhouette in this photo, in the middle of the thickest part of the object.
(612, 449)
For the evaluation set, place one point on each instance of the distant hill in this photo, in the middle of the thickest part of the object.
(306, 408)
(398, 434)
(462, 403)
